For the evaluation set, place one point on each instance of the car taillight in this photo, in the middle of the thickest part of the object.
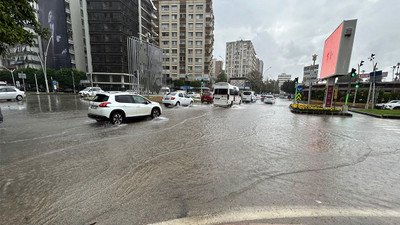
(172, 98)
(104, 104)
(162, 98)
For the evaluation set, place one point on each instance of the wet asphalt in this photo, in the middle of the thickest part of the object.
(195, 165)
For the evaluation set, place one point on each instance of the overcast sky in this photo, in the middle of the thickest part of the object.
(286, 33)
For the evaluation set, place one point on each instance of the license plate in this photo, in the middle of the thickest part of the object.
(93, 107)
(166, 98)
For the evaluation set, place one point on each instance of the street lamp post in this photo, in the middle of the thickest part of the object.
(45, 62)
(370, 83)
(314, 57)
(12, 73)
(358, 79)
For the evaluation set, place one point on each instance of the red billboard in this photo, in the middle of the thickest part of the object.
(331, 53)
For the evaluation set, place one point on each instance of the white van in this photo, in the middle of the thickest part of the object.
(3, 84)
(249, 96)
(226, 94)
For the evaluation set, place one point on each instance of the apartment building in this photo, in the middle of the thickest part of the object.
(282, 78)
(241, 59)
(186, 35)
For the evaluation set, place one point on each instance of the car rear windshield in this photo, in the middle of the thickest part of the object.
(247, 93)
(221, 91)
(172, 93)
(100, 98)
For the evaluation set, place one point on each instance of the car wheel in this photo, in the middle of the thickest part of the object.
(19, 97)
(240, 102)
(397, 107)
(117, 118)
(155, 113)
(166, 104)
(177, 104)
(191, 103)
(231, 104)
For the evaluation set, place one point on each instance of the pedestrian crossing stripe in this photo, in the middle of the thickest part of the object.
(298, 97)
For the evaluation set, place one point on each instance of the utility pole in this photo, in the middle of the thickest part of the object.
(73, 81)
(358, 80)
(370, 83)
(314, 57)
(44, 66)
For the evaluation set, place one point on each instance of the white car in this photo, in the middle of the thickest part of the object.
(116, 107)
(177, 98)
(90, 91)
(193, 95)
(249, 96)
(8, 93)
(394, 104)
(269, 99)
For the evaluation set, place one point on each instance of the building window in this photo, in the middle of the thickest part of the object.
(174, 60)
(174, 25)
(190, 68)
(191, 7)
(165, 25)
(165, 59)
(182, 42)
(182, 59)
(174, 51)
(190, 51)
(190, 59)
(165, 42)
(174, 16)
(199, 7)
(199, 43)
(174, 67)
(199, 25)
(199, 34)
(183, 34)
(198, 68)
(199, 16)
(190, 25)
(165, 17)
(191, 16)
(165, 34)
(190, 43)
(165, 8)
(199, 60)
(174, 8)
(199, 51)
(190, 34)
(174, 34)
(174, 43)
(166, 51)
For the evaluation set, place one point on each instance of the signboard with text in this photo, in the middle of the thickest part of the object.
(311, 73)
(329, 94)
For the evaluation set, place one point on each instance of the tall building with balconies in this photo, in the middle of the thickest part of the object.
(186, 35)
(241, 59)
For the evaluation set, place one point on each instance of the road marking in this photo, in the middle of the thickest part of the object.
(251, 214)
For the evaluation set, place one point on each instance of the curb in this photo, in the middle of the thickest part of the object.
(376, 116)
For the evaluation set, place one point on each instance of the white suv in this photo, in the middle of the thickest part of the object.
(177, 98)
(118, 106)
(90, 91)
(249, 96)
(394, 104)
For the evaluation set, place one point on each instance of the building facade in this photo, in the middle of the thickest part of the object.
(110, 24)
(186, 35)
(241, 59)
(216, 68)
(282, 78)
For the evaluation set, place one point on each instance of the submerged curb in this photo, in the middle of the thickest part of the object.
(374, 115)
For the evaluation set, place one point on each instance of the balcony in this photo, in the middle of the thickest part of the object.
(182, 10)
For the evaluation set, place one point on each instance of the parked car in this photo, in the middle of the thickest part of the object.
(90, 91)
(193, 95)
(116, 107)
(2, 83)
(8, 93)
(177, 98)
(249, 96)
(207, 97)
(269, 99)
(394, 104)
(263, 97)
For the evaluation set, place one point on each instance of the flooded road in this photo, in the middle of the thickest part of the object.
(195, 165)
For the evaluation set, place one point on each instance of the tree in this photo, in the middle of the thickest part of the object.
(178, 83)
(255, 80)
(14, 17)
(288, 87)
(195, 83)
(221, 77)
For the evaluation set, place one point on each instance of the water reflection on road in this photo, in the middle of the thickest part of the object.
(60, 167)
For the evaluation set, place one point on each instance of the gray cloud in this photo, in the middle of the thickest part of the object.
(286, 33)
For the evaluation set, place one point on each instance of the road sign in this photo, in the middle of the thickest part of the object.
(298, 97)
(299, 88)
(311, 73)
(21, 75)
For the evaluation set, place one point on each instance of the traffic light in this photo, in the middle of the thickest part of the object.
(353, 72)
(201, 82)
(296, 80)
(357, 84)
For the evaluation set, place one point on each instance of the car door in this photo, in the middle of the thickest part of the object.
(142, 106)
(126, 103)
(11, 93)
(181, 98)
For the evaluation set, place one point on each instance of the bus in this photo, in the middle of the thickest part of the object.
(226, 94)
